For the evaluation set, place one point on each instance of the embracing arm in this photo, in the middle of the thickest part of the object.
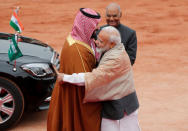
(75, 79)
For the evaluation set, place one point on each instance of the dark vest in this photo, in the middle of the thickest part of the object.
(116, 109)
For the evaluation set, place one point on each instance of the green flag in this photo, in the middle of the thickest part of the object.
(14, 51)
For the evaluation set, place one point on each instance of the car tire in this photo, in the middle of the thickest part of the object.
(11, 103)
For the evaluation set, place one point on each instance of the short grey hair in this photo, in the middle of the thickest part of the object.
(114, 35)
(113, 5)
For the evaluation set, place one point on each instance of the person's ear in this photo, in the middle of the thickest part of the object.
(120, 14)
(112, 45)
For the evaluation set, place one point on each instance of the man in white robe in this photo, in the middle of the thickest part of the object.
(111, 82)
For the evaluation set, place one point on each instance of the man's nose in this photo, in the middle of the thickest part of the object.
(111, 18)
(97, 28)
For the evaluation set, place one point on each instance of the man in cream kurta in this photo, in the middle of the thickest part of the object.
(111, 81)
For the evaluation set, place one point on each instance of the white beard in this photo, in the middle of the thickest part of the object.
(101, 51)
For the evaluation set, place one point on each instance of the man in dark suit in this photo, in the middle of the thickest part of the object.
(128, 35)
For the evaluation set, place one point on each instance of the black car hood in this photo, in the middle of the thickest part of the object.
(30, 48)
(24, 59)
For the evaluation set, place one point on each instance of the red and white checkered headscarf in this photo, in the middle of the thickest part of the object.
(84, 26)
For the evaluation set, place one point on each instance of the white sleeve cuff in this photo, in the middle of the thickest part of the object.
(77, 79)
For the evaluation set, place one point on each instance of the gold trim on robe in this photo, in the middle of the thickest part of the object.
(67, 112)
(72, 41)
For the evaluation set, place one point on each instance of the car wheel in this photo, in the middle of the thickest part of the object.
(11, 103)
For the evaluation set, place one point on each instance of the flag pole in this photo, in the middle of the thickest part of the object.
(16, 35)
(14, 51)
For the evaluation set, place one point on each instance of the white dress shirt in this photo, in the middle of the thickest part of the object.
(76, 79)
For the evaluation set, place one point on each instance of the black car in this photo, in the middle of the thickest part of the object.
(28, 83)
